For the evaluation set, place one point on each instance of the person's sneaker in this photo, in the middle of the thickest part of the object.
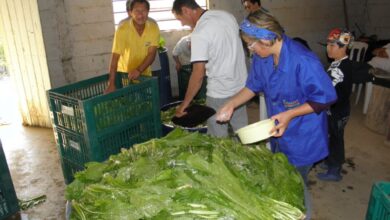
(333, 174)
(323, 165)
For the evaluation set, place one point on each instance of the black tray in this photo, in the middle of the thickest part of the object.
(196, 115)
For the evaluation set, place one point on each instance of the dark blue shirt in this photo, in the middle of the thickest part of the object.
(298, 78)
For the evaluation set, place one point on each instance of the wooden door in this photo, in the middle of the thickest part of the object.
(24, 48)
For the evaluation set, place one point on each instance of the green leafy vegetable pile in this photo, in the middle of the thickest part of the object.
(188, 176)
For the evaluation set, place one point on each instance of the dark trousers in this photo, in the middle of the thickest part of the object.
(336, 155)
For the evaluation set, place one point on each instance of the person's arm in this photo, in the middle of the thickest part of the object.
(177, 50)
(194, 84)
(178, 64)
(112, 73)
(226, 111)
(284, 118)
(380, 52)
(134, 74)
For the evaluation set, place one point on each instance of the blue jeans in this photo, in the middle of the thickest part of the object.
(304, 171)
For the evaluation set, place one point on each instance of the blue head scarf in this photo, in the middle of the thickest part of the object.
(254, 31)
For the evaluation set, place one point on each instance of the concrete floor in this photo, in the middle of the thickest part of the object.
(34, 164)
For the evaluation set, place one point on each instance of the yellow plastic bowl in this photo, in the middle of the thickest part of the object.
(256, 132)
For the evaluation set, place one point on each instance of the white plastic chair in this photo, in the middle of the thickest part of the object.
(358, 52)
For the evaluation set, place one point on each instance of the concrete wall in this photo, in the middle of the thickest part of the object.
(376, 14)
(310, 20)
(232, 6)
(78, 37)
(51, 13)
(78, 34)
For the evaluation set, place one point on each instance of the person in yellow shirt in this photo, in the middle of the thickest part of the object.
(135, 44)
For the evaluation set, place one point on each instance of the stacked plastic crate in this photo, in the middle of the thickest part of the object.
(8, 200)
(379, 205)
(90, 126)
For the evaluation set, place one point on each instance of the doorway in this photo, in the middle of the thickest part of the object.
(22, 40)
(9, 112)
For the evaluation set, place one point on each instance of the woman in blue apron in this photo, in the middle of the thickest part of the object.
(297, 92)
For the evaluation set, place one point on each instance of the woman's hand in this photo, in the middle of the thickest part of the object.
(283, 119)
(225, 112)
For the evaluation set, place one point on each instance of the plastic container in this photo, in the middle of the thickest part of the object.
(69, 168)
(164, 78)
(183, 77)
(90, 126)
(256, 132)
(166, 128)
(8, 200)
(379, 205)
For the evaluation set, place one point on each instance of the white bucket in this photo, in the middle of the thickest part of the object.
(256, 132)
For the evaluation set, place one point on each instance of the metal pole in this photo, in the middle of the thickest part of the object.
(346, 14)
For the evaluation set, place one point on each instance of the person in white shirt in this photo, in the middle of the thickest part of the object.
(182, 56)
(182, 52)
(216, 51)
(382, 58)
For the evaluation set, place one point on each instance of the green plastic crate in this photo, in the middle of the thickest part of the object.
(69, 168)
(8, 200)
(76, 151)
(91, 126)
(74, 146)
(379, 205)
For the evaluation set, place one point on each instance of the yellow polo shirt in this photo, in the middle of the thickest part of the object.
(132, 47)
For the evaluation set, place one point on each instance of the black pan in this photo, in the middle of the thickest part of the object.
(196, 115)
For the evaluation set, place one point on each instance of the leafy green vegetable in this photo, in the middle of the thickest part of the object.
(189, 176)
(29, 203)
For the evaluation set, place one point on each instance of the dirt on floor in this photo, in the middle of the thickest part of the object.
(367, 161)
(35, 169)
